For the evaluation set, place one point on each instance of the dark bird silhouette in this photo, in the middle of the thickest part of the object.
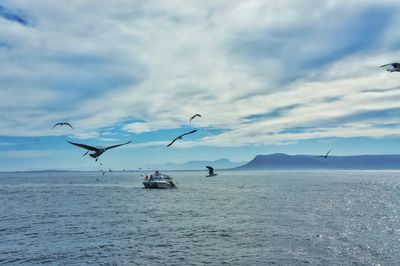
(326, 155)
(196, 115)
(210, 171)
(395, 67)
(97, 150)
(180, 137)
(63, 124)
(103, 172)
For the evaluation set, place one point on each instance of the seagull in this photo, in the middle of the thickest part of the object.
(196, 115)
(180, 137)
(210, 171)
(395, 67)
(326, 155)
(97, 150)
(63, 124)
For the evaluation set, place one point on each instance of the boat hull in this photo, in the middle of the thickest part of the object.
(159, 184)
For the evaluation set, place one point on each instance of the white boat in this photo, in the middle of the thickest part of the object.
(158, 180)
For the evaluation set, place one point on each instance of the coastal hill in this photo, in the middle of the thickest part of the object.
(297, 162)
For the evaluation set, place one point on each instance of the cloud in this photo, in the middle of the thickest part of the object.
(12, 16)
(257, 71)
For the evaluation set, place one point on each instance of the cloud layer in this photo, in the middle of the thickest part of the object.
(259, 72)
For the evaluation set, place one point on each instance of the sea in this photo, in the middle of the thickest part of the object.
(234, 218)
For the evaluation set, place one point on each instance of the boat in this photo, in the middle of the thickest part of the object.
(158, 180)
(210, 171)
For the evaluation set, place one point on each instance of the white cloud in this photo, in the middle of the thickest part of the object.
(99, 63)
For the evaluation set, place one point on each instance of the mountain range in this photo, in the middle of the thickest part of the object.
(197, 165)
(297, 162)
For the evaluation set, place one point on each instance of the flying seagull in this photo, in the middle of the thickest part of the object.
(210, 171)
(180, 137)
(97, 150)
(63, 124)
(326, 155)
(196, 115)
(395, 67)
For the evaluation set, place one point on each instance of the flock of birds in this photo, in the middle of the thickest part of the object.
(99, 150)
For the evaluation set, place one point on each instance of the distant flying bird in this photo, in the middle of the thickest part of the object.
(180, 137)
(63, 124)
(97, 150)
(103, 172)
(395, 67)
(326, 155)
(196, 115)
(210, 171)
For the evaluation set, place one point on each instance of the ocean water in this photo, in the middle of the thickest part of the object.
(235, 218)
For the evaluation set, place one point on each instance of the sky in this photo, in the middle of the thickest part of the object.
(291, 76)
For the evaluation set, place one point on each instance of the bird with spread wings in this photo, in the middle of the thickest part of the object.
(194, 116)
(180, 137)
(63, 124)
(97, 151)
(395, 67)
(326, 155)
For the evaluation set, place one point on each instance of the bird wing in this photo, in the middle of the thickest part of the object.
(187, 133)
(172, 142)
(56, 124)
(391, 64)
(91, 148)
(114, 146)
(68, 124)
(196, 115)
(328, 152)
(210, 170)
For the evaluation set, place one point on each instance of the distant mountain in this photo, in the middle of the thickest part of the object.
(297, 162)
(197, 165)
